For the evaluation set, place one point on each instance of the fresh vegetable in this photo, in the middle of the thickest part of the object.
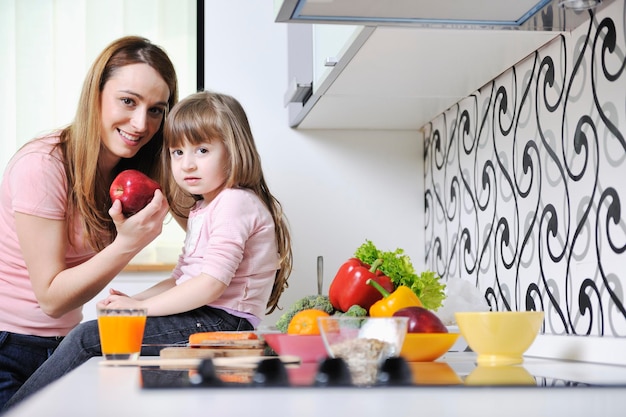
(391, 302)
(319, 302)
(134, 189)
(305, 322)
(349, 288)
(397, 266)
(421, 320)
(354, 311)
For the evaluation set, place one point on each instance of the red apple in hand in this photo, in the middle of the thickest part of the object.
(134, 189)
(421, 320)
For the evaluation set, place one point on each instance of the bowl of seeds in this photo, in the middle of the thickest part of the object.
(364, 343)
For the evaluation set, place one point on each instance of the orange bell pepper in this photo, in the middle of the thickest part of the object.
(402, 297)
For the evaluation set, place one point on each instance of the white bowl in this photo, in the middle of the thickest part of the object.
(364, 343)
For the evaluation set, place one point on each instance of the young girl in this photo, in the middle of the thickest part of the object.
(237, 254)
(62, 241)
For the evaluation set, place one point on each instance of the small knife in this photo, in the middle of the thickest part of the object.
(320, 274)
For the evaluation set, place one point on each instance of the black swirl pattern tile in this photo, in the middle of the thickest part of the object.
(524, 182)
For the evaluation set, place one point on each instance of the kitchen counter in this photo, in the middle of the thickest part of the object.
(98, 390)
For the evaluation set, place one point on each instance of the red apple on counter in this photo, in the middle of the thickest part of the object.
(421, 320)
(134, 189)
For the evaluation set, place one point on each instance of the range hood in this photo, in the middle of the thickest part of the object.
(539, 15)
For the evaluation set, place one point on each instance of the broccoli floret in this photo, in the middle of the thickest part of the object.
(354, 311)
(319, 302)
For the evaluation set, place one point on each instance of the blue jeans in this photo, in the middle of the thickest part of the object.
(20, 356)
(83, 343)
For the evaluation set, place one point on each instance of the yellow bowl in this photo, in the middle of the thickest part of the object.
(499, 337)
(500, 375)
(426, 347)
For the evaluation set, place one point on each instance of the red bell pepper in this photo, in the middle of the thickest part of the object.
(349, 286)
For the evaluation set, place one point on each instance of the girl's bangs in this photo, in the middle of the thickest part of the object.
(190, 126)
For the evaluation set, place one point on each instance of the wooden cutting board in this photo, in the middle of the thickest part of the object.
(240, 362)
(213, 352)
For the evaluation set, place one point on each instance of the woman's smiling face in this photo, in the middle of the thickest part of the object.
(133, 104)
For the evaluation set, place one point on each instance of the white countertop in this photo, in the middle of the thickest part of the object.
(97, 390)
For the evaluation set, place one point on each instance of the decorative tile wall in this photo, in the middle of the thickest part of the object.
(525, 179)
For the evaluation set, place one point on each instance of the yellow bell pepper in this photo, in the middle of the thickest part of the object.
(391, 302)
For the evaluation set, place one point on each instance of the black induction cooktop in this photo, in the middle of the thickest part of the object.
(394, 372)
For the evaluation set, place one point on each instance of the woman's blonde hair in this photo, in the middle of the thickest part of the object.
(212, 116)
(88, 189)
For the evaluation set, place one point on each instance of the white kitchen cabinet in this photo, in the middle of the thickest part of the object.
(400, 76)
(330, 43)
(316, 54)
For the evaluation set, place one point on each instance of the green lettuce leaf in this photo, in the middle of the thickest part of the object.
(398, 267)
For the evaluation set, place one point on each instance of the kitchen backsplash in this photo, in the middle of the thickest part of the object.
(525, 178)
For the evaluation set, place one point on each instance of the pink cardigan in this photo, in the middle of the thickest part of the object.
(233, 240)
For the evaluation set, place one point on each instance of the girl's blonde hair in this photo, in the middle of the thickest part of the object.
(88, 189)
(207, 116)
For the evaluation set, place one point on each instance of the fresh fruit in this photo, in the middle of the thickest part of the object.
(134, 189)
(305, 322)
(421, 320)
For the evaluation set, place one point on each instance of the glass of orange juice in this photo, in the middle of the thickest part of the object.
(121, 332)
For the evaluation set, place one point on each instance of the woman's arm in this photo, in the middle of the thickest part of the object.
(44, 243)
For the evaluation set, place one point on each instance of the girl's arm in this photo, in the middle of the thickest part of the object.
(44, 244)
(191, 294)
(156, 289)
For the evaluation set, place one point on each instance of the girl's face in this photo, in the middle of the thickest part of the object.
(133, 103)
(200, 169)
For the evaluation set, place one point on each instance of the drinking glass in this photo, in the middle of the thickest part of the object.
(121, 332)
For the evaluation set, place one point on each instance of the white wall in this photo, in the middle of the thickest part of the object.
(338, 188)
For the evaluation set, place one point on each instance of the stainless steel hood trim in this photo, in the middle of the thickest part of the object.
(298, 14)
(545, 15)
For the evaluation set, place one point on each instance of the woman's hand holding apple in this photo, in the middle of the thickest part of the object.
(137, 231)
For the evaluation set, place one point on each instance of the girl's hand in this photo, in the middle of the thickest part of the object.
(113, 291)
(137, 231)
(120, 301)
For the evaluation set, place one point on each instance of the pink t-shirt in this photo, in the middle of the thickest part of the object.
(34, 183)
(233, 240)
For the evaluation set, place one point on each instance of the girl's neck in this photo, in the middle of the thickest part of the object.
(208, 197)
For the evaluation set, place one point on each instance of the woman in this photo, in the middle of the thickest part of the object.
(63, 240)
(237, 254)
